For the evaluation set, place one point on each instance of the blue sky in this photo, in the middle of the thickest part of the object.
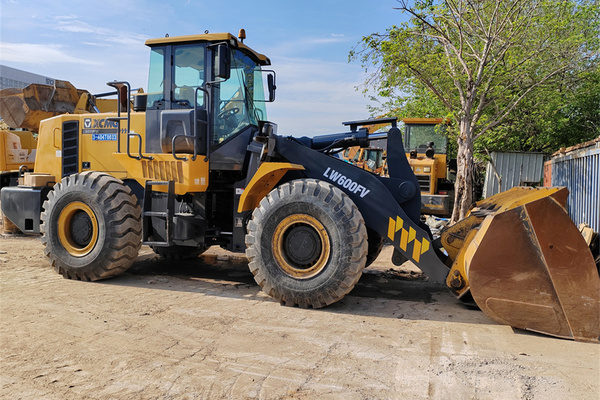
(93, 42)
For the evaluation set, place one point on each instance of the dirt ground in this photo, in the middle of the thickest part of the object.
(204, 330)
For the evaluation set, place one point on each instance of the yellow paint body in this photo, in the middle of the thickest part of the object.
(263, 181)
(97, 153)
(430, 169)
(189, 176)
(12, 158)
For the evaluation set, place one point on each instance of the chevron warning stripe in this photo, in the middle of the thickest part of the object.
(407, 237)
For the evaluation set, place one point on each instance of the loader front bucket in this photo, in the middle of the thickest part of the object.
(527, 265)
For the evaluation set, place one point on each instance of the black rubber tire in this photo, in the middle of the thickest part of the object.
(343, 244)
(375, 245)
(176, 252)
(107, 210)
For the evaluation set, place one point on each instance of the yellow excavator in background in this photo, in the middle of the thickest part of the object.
(196, 163)
(17, 150)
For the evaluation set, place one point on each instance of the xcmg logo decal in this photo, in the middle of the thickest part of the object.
(101, 128)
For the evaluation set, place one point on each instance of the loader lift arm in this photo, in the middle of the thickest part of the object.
(518, 254)
(396, 216)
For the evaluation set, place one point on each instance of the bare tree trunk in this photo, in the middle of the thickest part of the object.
(463, 187)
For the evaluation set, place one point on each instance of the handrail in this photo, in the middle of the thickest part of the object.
(119, 85)
(207, 103)
(173, 147)
(140, 156)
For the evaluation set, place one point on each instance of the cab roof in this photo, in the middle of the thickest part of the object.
(212, 37)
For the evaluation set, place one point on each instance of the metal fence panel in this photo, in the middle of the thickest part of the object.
(515, 169)
(579, 171)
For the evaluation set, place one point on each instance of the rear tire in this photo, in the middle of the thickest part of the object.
(176, 252)
(306, 244)
(91, 227)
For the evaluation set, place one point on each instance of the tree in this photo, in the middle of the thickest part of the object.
(481, 59)
(559, 115)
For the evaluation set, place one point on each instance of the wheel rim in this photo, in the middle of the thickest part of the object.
(301, 246)
(77, 229)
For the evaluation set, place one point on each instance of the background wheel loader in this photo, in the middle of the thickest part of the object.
(426, 147)
(196, 164)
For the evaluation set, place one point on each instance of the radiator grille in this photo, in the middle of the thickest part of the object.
(70, 148)
(424, 183)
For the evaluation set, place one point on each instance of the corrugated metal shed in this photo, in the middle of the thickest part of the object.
(579, 171)
(515, 169)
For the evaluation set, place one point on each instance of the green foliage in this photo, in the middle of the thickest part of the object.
(511, 73)
(559, 115)
(524, 72)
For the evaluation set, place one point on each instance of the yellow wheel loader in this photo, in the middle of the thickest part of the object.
(196, 163)
(426, 146)
(25, 108)
(371, 159)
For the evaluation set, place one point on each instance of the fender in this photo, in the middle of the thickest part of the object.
(263, 181)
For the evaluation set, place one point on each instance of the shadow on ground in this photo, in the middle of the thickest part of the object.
(382, 291)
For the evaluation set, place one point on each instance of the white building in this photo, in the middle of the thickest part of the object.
(16, 78)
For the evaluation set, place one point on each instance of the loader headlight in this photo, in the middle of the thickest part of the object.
(427, 169)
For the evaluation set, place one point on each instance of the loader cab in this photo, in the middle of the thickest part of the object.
(214, 79)
(419, 133)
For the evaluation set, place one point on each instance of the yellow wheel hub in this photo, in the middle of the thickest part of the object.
(77, 229)
(301, 246)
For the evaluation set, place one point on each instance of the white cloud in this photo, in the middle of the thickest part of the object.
(70, 24)
(306, 44)
(66, 17)
(76, 27)
(33, 53)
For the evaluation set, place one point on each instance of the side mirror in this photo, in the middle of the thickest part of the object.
(223, 62)
(271, 86)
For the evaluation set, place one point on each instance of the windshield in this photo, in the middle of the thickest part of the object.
(241, 98)
(419, 135)
(374, 155)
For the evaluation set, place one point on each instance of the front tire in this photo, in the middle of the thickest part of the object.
(91, 227)
(306, 244)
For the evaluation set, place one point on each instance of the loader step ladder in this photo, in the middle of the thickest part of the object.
(167, 214)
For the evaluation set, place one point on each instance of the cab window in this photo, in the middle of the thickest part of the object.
(156, 77)
(420, 135)
(188, 74)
